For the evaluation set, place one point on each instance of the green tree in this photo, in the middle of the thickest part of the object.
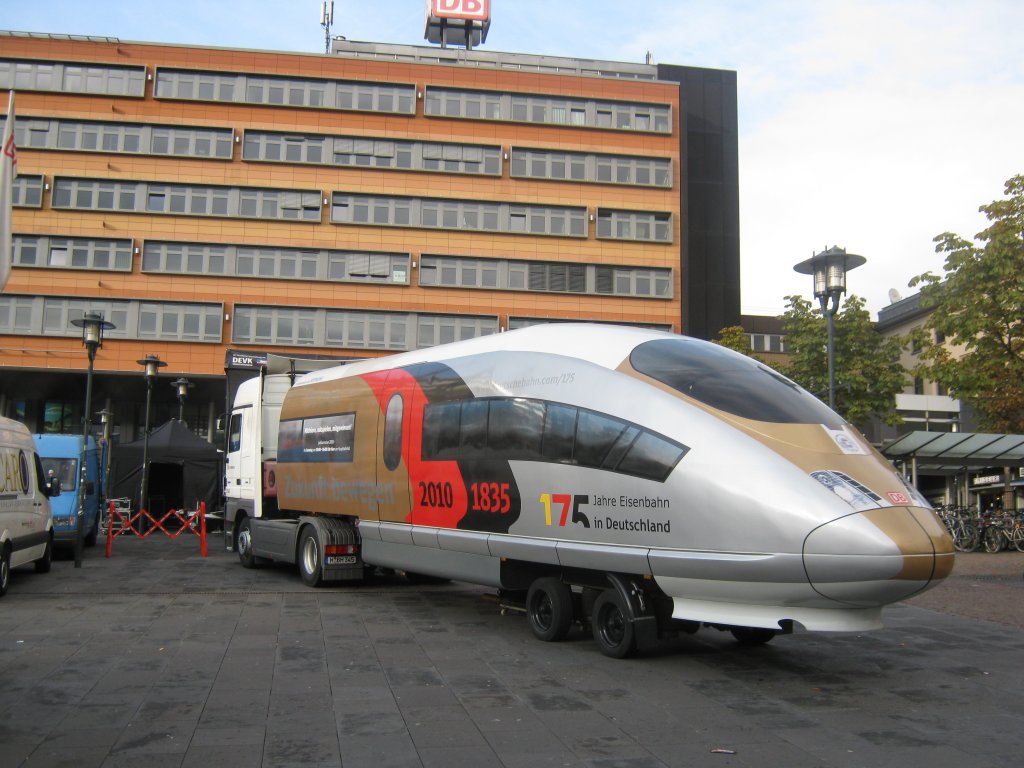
(974, 339)
(867, 365)
(735, 338)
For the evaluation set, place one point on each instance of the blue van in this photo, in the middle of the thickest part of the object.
(63, 455)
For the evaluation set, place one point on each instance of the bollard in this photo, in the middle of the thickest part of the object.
(202, 529)
(110, 530)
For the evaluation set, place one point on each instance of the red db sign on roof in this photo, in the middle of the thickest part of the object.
(471, 10)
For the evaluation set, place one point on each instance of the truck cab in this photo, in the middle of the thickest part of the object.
(75, 466)
(26, 527)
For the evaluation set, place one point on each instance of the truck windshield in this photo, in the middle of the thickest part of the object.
(730, 382)
(65, 470)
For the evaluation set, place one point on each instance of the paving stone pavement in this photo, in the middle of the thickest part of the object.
(159, 657)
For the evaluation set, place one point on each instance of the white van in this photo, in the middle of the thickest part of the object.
(26, 526)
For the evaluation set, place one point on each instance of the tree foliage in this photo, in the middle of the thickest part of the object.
(736, 339)
(974, 344)
(867, 365)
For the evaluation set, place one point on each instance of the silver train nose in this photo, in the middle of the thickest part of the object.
(877, 557)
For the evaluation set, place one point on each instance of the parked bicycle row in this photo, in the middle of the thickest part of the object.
(992, 530)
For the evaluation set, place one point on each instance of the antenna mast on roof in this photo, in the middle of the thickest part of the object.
(326, 19)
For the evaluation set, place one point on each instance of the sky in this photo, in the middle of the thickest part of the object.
(873, 125)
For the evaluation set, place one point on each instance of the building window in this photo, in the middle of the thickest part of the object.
(353, 329)
(72, 253)
(314, 93)
(594, 168)
(124, 138)
(27, 191)
(515, 322)
(186, 199)
(72, 77)
(645, 226)
(558, 277)
(143, 320)
(436, 213)
(548, 110)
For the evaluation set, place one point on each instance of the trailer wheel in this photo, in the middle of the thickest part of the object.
(613, 628)
(752, 635)
(549, 609)
(310, 566)
(243, 544)
(5, 570)
(43, 563)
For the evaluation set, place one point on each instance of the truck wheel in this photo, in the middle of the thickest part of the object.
(310, 566)
(613, 629)
(243, 544)
(549, 609)
(43, 563)
(5, 570)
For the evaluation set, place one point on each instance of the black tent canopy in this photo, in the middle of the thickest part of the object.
(184, 470)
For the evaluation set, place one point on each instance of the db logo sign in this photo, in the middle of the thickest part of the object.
(898, 498)
(471, 10)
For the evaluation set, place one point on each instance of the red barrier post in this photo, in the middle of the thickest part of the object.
(202, 529)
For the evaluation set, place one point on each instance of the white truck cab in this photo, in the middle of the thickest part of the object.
(26, 524)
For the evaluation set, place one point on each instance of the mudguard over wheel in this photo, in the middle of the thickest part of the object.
(613, 625)
(43, 563)
(549, 609)
(311, 566)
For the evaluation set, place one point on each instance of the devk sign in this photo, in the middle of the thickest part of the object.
(470, 10)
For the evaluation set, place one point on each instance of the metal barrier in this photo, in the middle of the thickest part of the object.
(121, 522)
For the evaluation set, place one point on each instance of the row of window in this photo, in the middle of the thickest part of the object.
(270, 90)
(436, 213)
(125, 138)
(73, 77)
(132, 319)
(318, 93)
(520, 429)
(344, 151)
(186, 199)
(328, 265)
(278, 326)
(368, 152)
(285, 263)
(354, 329)
(346, 208)
(556, 277)
(547, 110)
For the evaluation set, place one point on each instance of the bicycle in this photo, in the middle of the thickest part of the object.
(962, 528)
(1003, 531)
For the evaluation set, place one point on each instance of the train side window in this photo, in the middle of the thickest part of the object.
(473, 429)
(559, 433)
(441, 431)
(393, 432)
(514, 429)
(652, 457)
(595, 436)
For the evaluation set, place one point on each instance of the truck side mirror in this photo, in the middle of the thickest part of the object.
(90, 487)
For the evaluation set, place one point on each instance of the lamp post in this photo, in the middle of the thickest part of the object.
(829, 269)
(107, 420)
(151, 365)
(182, 385)
(93, 326)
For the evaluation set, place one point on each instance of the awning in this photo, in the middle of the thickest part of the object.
(948, 452)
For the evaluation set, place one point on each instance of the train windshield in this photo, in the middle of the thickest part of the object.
(730, 382)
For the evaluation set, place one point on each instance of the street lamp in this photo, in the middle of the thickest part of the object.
(182, 385)
(829, 269)
(93, 326)
(107, 420)
(151, 365)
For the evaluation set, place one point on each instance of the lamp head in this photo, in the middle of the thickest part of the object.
(152, 365)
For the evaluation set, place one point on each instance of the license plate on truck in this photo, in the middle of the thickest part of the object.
(340, 560)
